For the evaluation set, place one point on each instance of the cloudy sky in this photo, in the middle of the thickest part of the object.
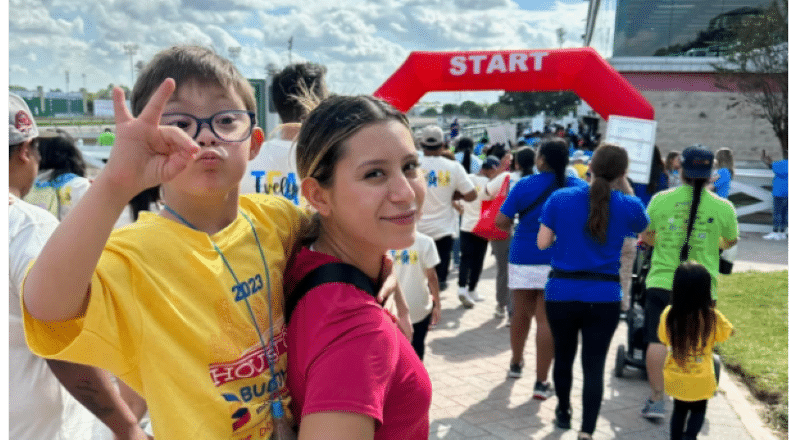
(360, 41)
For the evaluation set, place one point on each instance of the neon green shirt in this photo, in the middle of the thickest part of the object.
(668, 213)
(106, 139)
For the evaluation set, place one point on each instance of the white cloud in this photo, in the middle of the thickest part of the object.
(360, 41)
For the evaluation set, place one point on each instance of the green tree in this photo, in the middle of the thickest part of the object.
(532, 103)
(471, 109)
(449, 109)
(12, 88)
(430, 111)
(756, 66)
(499, 110)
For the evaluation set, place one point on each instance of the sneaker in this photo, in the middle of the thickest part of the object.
(782, 235)
(654, 410)
(466, 300)
(563, 418)
(476, 296)
(772, 236)
(542, 391)
(499, 312)
(515, 370)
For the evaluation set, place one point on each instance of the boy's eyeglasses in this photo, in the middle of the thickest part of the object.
(228, 126)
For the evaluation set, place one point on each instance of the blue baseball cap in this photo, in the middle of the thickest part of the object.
(697, 162)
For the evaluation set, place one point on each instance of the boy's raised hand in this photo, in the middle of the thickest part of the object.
(145, 153)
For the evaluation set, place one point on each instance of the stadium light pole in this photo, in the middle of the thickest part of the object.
(131, 49)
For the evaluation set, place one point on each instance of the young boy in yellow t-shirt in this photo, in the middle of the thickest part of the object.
(184, 306)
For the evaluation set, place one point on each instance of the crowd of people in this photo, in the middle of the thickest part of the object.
(252, 304)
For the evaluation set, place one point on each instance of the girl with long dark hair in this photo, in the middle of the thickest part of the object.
(528, 266)
(62, 176)
(691, 326)
(687, 222)
(583, 293)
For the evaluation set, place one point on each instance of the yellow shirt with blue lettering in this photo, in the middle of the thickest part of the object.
(166, 316)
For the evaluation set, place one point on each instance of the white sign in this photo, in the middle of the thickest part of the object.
(103, 108)
(637, 136)
(502, 133)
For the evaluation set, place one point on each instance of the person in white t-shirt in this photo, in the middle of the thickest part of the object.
(473, 247)
(447, 180)
(274, 170)
(38, 407)
(415, 268)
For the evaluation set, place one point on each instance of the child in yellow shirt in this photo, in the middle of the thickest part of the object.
(690, 327)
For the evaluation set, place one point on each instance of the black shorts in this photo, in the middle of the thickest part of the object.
(656, 301)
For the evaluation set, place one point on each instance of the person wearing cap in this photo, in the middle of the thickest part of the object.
(447, 180)
(688, 222)
(37, 407)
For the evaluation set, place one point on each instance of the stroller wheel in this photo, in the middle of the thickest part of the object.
(716, 362)
(621, 361)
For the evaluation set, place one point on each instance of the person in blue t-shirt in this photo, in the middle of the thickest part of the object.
(583, 293)
(722, 178)
(528, 266)
(780, 194)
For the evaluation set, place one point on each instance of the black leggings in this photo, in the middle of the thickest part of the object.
(597, 322)
(444, 246)
(697, 409)
(473, 251)
(420, 332)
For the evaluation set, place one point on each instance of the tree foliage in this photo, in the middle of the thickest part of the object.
(499, 110)
(471, 109)
(449, 109)
(756, 66)
(532, 103)
(430, 111)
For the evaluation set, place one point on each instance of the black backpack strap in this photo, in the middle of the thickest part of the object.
(327, 273)
(541, 199)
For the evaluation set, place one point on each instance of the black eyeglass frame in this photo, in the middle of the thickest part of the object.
(201, 121)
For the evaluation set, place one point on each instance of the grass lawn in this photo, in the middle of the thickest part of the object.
(756, 303)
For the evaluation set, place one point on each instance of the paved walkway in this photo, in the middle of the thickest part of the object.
(468, 355)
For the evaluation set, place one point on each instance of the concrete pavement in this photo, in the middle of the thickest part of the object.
(467, 358)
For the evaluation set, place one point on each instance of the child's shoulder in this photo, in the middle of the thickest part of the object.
(274, 207)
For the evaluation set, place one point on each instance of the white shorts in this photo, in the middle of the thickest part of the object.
(528, 276)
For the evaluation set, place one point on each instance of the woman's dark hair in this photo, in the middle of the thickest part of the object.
(657, 168)
(669, 159)
(691, 320)
(498, 150)
(60, 155)
(698, 185)
(465, 145)
(555, 152)
(143, 201)
(609, 162)
(524, 158)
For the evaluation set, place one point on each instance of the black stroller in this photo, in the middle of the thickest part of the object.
(634, 355)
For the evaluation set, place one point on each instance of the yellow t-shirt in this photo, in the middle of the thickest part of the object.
(697, 380)
(167, 317)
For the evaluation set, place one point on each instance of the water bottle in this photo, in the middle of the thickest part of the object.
(281, 428)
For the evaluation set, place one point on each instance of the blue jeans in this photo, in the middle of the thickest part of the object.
(779, 214)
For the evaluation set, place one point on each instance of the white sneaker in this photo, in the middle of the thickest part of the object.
(772, 236)
(476, 296)
(782, 235)
(499, 312)
(463, 296)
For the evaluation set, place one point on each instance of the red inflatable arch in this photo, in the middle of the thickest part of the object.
(580, 70)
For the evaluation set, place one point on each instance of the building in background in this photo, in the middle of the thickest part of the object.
(666, 49)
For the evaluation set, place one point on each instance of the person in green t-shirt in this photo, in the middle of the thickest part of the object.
(106, 138)
(686, 223)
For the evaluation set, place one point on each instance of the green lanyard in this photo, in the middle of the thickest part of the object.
(276, 402)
